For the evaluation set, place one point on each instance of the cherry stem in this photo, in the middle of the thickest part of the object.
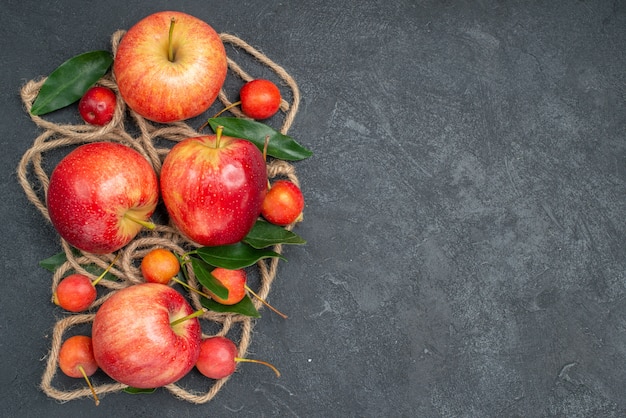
(265, 363)
(93, 391)
(170, 46)
(265, 303)
(230, 106)
(193, 289)
(145, 224)
(185, 318)
(95, 282)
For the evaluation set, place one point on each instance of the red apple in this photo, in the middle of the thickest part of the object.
(170, 66)
(213, 187)
(133, 339)
(100, 195)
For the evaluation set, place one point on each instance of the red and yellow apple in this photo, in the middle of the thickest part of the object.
(135, 342)
(100, 196)
(213, 187)
(170, 66)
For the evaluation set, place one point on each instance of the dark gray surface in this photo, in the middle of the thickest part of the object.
(465, 209)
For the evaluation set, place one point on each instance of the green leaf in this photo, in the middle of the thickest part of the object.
(54, 262)
(135, 391)
(280, 146)
(69, 82)
(264, 234)
(234, 256)
(203, 273)
(244, 307)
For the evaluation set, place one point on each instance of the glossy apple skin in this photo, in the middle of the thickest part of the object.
(93, 187)
(167, 91)
(213, 193)
(217, 357)
(133, 341)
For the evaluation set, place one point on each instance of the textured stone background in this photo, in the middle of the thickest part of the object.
(465, 209)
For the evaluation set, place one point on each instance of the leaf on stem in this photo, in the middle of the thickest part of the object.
(280, 146)
(244, 307)
(234, 256)
(264, 234)
(203, 274)
(53, 262)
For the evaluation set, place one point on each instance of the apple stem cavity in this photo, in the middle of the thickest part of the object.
(95, 282)
(93, 391)
(170, 47)
(265, 363)
(146, 224)
(266, 304)
(187, 317)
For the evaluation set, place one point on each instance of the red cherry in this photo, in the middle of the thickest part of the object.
(234, 281)
(76, 359)
(75, 293)
(218, 358)
(159, 266)
(77, 352)
(97, 105)
(260, 99)
(283, 203)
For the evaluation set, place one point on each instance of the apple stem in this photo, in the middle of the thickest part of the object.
(265, 303)
(93, 391)
(95, 282)
(193, 289)
(185, 318)
(145, 224)
(170, 46)
(265, 363)
(218, 135)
